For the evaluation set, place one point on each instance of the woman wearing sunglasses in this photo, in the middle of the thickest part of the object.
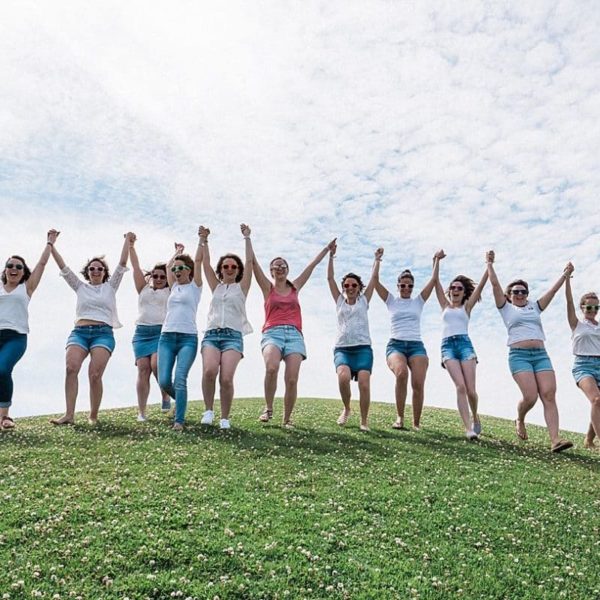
(282, 332)
(405, 352)
(528, 360)
(178, 343)
(222, 347)
(18, 285)
(458, 354)
(586, 348)
(153, 292)
(95, 317)
(352, 354)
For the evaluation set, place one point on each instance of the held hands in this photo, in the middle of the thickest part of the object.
(130, 237)
(245, 229)
(568, 271)
(203, 232)
(379, 254)
(52, 235)
(490, 256)
(332, 248)
(179, 248)
(439, 255)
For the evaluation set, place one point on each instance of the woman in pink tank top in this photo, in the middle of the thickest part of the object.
(282, 332)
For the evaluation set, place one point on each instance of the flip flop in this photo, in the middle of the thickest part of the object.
(562, 445)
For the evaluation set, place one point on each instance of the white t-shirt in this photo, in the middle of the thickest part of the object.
(228, 309)
(152, 305)
(455, 320)
(405, 314)
(14, 309)
(353, 322)
(96, 302)
(586, 339)
(522, 322)
(182, 307)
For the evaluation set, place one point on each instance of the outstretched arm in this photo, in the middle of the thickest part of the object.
(549, 295)
(435, 274)
(179, 248)
(301, 280)
(499, 296)
(247, 278)
(138, 275)
(374, 274)
(127, 242)
(38, 271)
(439, 292)
(470, 303)
(198, 261)
(263, 283)
(333, 288)
(379, 287)
(211, 276)
(571, 314)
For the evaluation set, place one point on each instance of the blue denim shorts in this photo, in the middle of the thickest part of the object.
(92, 336)
(407, 348)
(457, 347)
(224, 339)
(285, 337)
(532, 360)
(145, 340)
(356, 358)
(586, 366)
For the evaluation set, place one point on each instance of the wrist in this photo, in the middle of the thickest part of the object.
(49, 243)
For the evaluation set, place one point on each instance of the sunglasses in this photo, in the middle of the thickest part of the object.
(350, 285)
(16, 266)
(278, 268)
(594, 307)
(410, 286)
(159, 276)
(519, 292)
(458, 288)
(99, 269)
(230, 267)
(180, 268)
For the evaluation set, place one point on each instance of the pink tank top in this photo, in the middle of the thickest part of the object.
(282, 310)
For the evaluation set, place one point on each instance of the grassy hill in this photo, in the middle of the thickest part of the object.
(134, 510)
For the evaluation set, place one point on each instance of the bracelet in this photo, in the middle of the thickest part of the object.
(246, 237)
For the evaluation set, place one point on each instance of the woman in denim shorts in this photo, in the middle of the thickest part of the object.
(153, 293)
(282, 332)
(528, 360)
(405, 352)
(95, 317)
(353, 355)
(223, 343)
(586, 348)
(458, 354)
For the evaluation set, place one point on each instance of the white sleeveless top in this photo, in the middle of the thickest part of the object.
(353, 322)
(152, 305)
(14, 309)
(586, 339)
(228, 309)
(455, 320)
(182, 307)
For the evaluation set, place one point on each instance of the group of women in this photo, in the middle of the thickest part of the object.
(165, 342)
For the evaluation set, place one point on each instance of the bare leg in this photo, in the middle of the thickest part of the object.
(453, 367)
(364, 388)
(418, 369)
(529, 390)
(272, 358)
(143, 383)
(99, 358)
(590, 388)
(74, 359)
(292, 370)
(211, 360)
(229, 362)
(469, 369)
(546, 382)
(399, 367)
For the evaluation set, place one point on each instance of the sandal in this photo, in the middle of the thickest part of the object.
(562, 445)
(7, 422)
(289, 425)
(343, 418)
(266, 416)
(398, 424)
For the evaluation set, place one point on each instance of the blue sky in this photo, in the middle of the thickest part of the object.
(410, 125)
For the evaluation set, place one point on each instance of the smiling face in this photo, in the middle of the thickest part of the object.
(181, 271)
(14, 271)
(351, 288)
(279, 269)
(590, 306)
(96, 272)
(456, 292)
(405, 287)
(519, 294)
(158, 278)
(229, 271)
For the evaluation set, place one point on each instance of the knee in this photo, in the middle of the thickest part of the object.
(461, 389)
(144, 370)
(418, 386)
(210, 373)
(472, 395)
(548, 397)
(95, 376)
(401, 374)
(291, 380)
(595, 402)
(344, 378)
(271, 369)
(226, 384)
(72, 368)
(363, 386)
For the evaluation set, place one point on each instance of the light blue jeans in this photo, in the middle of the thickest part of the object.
(181, 348)
(12, 348)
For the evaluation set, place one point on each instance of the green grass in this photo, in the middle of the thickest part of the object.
(130, 510)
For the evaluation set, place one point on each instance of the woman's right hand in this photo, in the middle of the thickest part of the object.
(246, 231)
(490, 256)
(52, 236)
(332, 248)
(379, 254)
(179, 248)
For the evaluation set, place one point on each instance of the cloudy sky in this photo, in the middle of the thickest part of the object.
(410, 125)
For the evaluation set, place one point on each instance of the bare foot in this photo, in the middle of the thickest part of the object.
(343, 418)
(398, 424)
(364, 428)
(64, 420)
(520, 430)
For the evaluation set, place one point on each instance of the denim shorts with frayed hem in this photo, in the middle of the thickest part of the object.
(224, 339)
(532, 360)
(457, 347)
(92, 336)
(408, 348)
(286, 338)
(586, 366)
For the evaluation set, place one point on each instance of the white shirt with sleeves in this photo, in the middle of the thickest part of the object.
(455, 321)
(14, 309)
(182, 307)
(522, 322)
(405, 314)
(586, 339)
(152, 305)
(96, 302)
(353, 322)
(228, 309)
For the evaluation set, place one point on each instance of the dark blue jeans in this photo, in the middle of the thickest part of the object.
(180, 348)
(12, 348)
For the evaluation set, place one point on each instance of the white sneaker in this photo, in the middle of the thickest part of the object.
(207, 417)
(224, 424)
(471, 435)
(141, 418)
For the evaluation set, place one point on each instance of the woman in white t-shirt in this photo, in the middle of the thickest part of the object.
(586, 348)
(153, 292)
(18, 285)
(222, 346)
(458, 354)
(95, 318)
(178, 342)
(405, 352)
(527, 358)
(352, 353)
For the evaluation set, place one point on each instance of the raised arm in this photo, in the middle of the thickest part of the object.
(179, 248)
(379, 287)
(571, 314)
(374, 274)
(439, 292)
(476, 295)
(38, 271)
(301, 280)
(435, 274)
(549, 295)
(198, 260)
(263, 282)
(209, 272)
(499, 296)
(138, 275)
(247, 278)
(127, 242)
(333, 288)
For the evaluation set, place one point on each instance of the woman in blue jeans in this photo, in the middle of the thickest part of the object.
(18, 285)
(178, 342)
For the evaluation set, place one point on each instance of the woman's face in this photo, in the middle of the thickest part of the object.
(14, 271)
(405, 287)
(182, 273)
(96, 271)
(456, 292)
(279, 269)
(590, 307)
(159, 279)
(229, 271)
(351, 288)
(519, 294)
